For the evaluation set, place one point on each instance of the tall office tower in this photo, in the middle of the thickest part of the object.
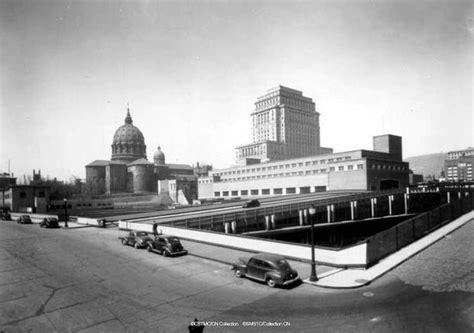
(285, 125)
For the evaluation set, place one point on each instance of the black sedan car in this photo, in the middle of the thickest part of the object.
(6, 215)
(49, 222)
(137, 239)
(251, 203)
(24, 219)
(269, 268)
(166, 245)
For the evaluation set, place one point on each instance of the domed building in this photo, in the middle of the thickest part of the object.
(129, 171)
(128, 144)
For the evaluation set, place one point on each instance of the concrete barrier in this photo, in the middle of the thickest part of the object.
(354, 256)
(89, 221)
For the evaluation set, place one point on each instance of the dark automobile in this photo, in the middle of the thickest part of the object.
(24, 219)
(49, 222)
(6, 215)
(269, 268)
(251, 203)
(136, 239)
(166, 245)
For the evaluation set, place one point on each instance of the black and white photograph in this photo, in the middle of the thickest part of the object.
(236, 166)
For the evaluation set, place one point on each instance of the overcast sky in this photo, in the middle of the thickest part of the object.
(192, 70)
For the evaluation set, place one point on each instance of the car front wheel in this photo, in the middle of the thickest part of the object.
(238, 273)
(149, 248)
(271, 283)
(124, 242)
(135, 245)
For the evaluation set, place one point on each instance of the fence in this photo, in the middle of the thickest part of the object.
(393, 239)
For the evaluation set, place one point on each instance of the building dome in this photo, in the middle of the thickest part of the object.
(159, 157)
(128, 144)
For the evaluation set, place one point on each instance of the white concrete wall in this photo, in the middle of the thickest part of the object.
(88, 221)
(352, 256)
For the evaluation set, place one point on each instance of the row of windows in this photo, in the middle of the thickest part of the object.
(59, 206)
(286, 101)
(266, 191)
(39, 194)
(297, 173)
(82, 205)
(388, 167)
(461, 165)
(282, 166)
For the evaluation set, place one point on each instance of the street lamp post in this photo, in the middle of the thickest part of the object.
(65, 212)
(313, 277)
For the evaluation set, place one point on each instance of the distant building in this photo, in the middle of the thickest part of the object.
(129, 171)
(286, 156)
(202, 170)
(458, 166)
(26, 198)
(374, 170)
(6, 180)
(285, 125)
(415, 178)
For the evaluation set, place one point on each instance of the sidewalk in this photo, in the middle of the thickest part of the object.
(354, 278)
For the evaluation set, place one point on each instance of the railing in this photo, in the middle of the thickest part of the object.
(393, 239)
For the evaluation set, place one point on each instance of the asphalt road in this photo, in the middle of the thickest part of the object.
(84, 280)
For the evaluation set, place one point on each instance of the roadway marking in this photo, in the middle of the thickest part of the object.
(368, 294)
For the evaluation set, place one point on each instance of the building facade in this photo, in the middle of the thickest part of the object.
(128, 170)
(26, 198)
(378, 169)
(285, 124)
(458, 166)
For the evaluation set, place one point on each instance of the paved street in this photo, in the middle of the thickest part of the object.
(84, 280)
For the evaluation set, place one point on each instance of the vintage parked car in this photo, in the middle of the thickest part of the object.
(49, 222)
(166, 245)
(6, 215)
(269, 268)
(137, 239)
(251, 203)
(24, 219)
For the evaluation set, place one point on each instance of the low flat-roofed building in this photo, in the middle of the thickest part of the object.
(26, 198)
(358, 169)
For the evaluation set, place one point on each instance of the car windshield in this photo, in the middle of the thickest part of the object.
(142, 234)
(173, 240)
(282, 264)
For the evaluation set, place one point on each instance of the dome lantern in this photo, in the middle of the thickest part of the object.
(159, 157)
